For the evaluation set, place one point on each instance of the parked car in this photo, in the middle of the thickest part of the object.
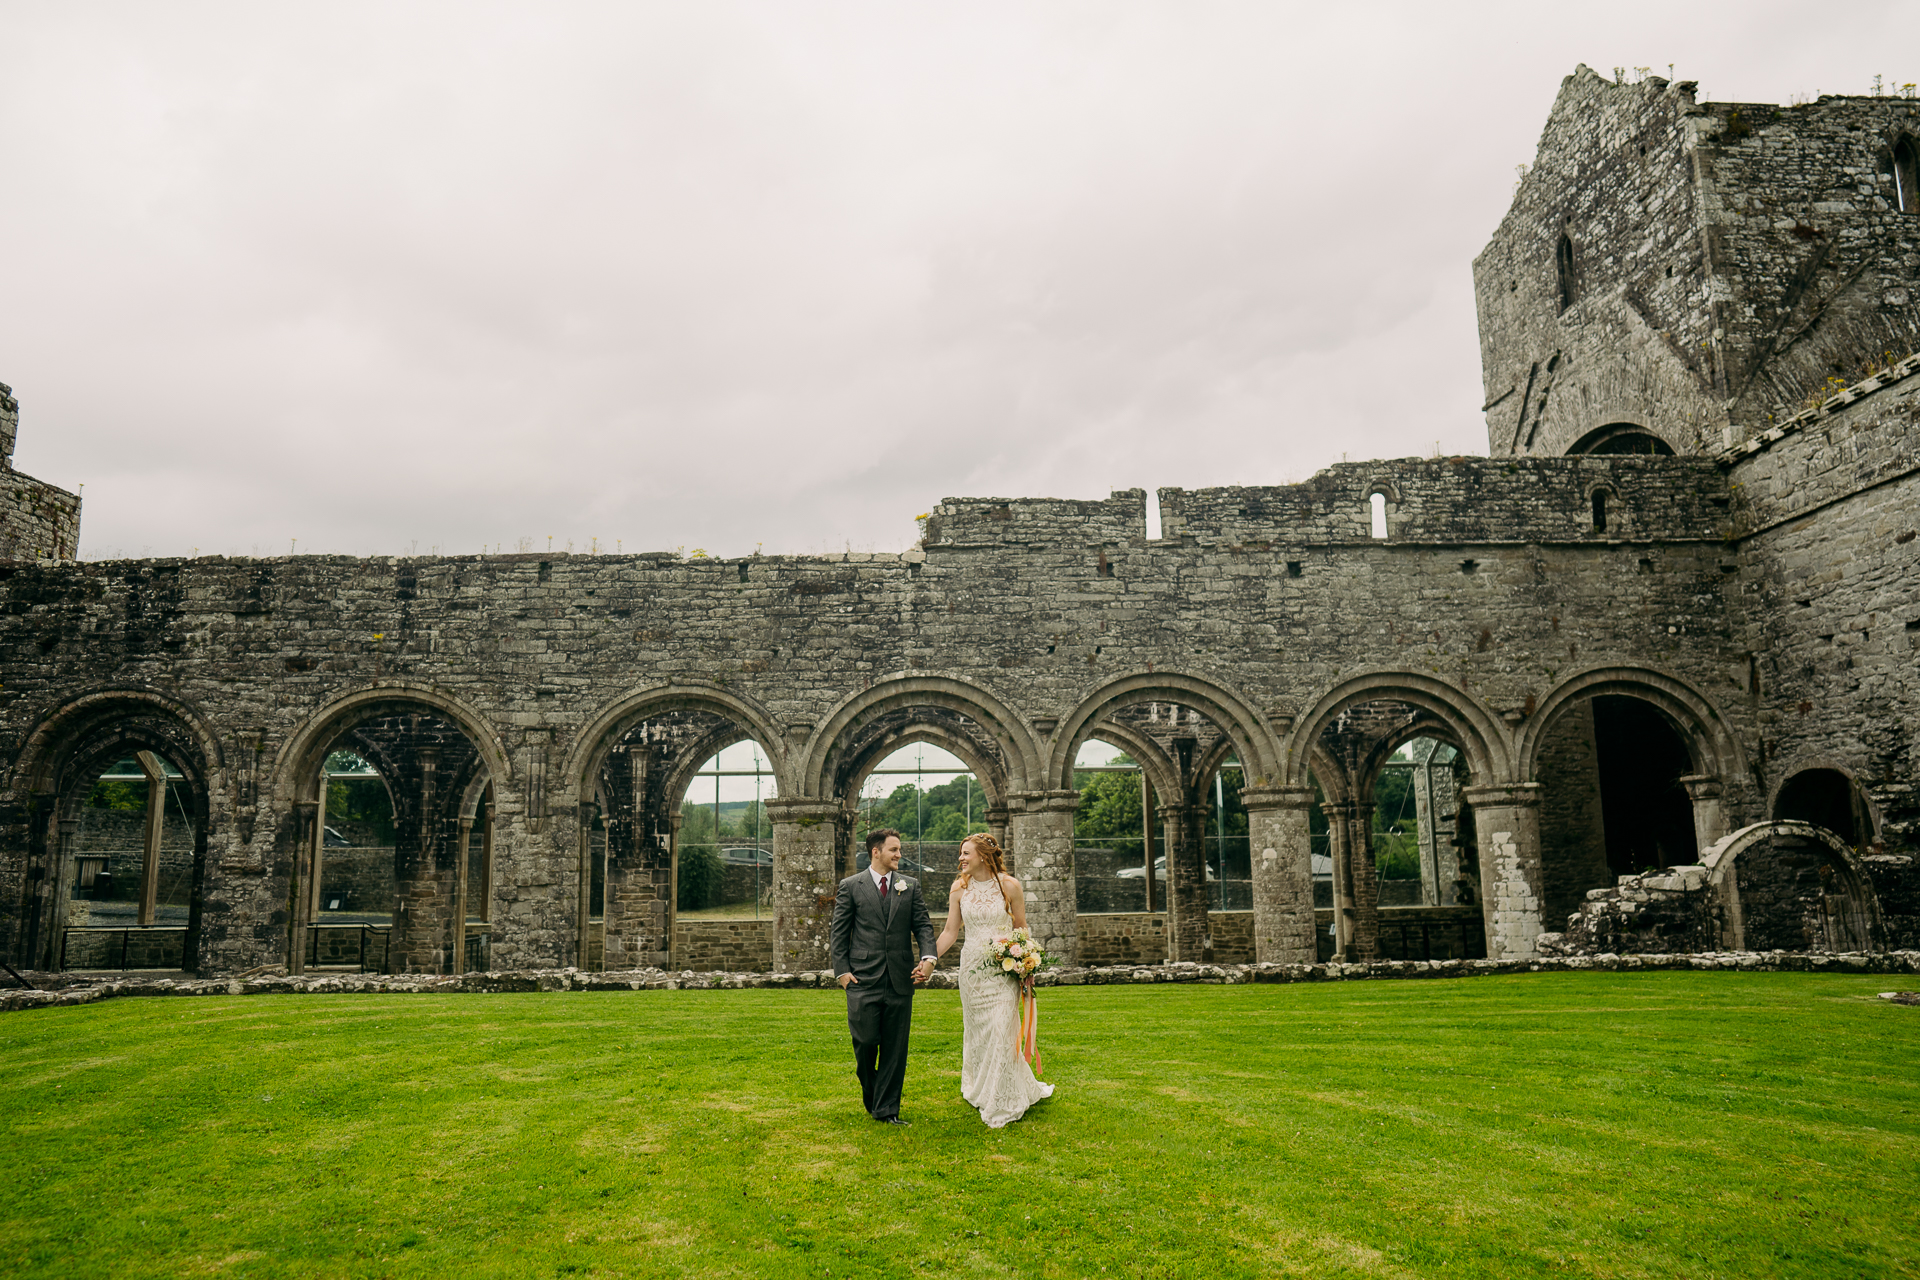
(1159, 871)
(748, 857)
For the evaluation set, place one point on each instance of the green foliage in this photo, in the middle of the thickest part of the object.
(123, 794)
(1524, 1125)
(1396, 828)
(361, 800)
(1109, 813)
(702, 872)
(939, 814)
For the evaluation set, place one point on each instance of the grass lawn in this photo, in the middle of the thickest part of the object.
(1661, 1124)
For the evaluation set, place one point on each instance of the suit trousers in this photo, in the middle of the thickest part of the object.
(879, 1018)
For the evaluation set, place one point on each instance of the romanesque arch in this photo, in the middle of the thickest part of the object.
(926, 701)
(50, 781)
(1345, 739)
(1825, 792)
(431, 750)
(626, 778)
(1791, 886)
(1192, 723)
(1632, 763)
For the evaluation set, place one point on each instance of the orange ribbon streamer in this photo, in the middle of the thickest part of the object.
(1030, 1028)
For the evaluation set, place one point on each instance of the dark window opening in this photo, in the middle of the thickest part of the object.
(1469, 566)
(1621, 438)
(1295, 568)
(1599, 510)
(1563, 262)
(1826, 798)
(1906, 176)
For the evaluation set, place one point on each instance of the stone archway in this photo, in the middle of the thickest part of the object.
(50, 782)
(1193, 723)
(429, 749)
(631, 769)
(1791, 886)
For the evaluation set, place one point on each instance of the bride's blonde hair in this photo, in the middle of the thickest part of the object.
(989, 850)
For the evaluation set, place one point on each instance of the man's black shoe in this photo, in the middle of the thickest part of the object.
(892, 1120)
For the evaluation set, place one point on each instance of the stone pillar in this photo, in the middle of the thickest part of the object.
(583, 897)
(1363, 884)
(1282, 850)
(1041, 828)
(1426, 837)
(1186, 883)
(66, 841)
(997, 828)
(806, 865)
(461, 854)
(1507, 820)
(309, 834)
(1339, 838)
(1709, 810)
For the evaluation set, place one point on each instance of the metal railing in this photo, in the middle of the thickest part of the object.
(385, 931)
(127, 933)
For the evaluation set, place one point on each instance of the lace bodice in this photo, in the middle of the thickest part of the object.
(983, 909)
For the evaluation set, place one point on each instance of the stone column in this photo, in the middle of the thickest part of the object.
(997, 828)
(461, 854)
(1040, 826)
(1339, 837)
(806, 865)
(1186, 883)
(1363, 882)
(1282, 850)
(308, 836)
(156, 825)
(1709, 810)
(583, 897)
(1507, 821)
(66, 841)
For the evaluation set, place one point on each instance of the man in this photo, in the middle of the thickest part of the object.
(878, 915)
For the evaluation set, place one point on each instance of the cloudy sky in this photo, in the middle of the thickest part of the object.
(394, 278)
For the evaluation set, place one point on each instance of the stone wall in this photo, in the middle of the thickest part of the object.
(1725, 260)
(37, 521)
(1124, 938)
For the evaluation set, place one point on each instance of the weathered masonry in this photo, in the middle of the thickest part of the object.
(1671, 632)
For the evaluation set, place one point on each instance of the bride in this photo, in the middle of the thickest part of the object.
(993, 1075)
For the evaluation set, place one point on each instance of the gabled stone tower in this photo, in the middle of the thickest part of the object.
(1675, 276)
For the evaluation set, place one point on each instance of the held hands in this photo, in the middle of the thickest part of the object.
(921, 972)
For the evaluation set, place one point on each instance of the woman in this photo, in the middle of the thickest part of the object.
(993, 1075)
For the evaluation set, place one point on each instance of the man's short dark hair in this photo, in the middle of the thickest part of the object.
(877, 838)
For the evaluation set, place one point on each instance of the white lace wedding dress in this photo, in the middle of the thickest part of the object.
(993, 1075)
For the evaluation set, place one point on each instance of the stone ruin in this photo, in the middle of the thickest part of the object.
(1667, 630)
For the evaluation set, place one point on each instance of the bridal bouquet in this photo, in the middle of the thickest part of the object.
(1017, 954)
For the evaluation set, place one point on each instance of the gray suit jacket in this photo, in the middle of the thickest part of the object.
(874, 940)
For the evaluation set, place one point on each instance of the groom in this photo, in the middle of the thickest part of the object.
(878, 915)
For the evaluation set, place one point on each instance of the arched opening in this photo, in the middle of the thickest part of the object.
(1377, 514)
(1826, 798)
(676, 841)
(1795, 888)
(129, 884)
(383, 865)
(1401, 870)
(1619, 438)
(1563, 265)
(1599, 510)
(726, 838)
(1164, 833)
(1906, 176)
(1614, 801)
(114, 827)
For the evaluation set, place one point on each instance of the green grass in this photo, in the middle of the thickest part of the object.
(1665, 1124)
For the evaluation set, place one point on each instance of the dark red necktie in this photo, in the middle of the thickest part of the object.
(883, 886)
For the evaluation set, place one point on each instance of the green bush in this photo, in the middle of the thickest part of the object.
(701, 873)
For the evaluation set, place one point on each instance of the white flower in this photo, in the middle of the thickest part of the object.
(1006, 964)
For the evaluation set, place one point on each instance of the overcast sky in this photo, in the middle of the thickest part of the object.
(398, 277)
